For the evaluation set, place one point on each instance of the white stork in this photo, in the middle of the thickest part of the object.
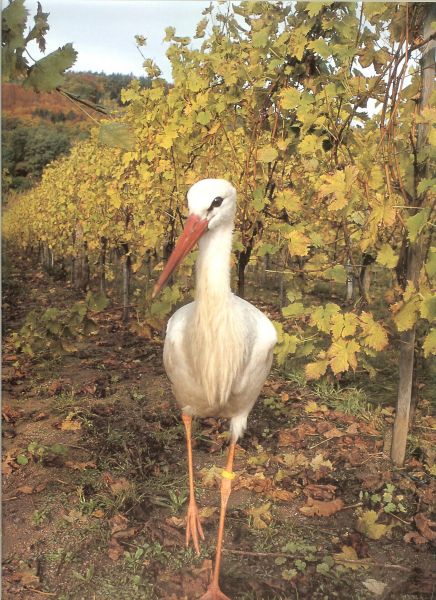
(218, 350)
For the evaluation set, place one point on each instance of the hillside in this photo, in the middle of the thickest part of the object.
(22, 103)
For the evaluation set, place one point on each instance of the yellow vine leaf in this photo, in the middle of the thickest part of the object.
(322, 315)
(260, 516)
(349, 554)
(429, 344)
(387, 257)
(298, 244)
(374, 334)
(367, 524)
(342, 355)
(316, 369)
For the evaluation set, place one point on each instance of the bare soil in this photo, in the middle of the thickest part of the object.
(95, 482)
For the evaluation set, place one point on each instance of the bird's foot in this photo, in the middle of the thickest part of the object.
(193, 526)
(214, 593)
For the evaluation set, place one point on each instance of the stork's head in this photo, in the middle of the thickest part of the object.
(212, 203)
(212, 200)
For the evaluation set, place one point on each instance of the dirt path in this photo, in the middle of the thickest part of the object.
(94, 482)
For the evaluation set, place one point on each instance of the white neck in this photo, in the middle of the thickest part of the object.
(213, 267)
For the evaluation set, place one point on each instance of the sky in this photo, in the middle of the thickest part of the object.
(103, 31)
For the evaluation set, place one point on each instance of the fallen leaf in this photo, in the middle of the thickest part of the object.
(56, 387)
(318, 461)
(80, 466)
(313, 407)
(425, 526)
(320, 492)
(415, 537)
(352, 429)
(210, 476)
(75, 516)
(374, 586)
(207, 512)
(118, 523)
(9, 414)
(334, 432)
(315, 508)
(284, 495)
(177, 522)
(287, 437)
(119, 485)
(25, 489)
(259, 459)
(367, 524)
(69, 425)
(98, 513)
(115, 551)
(349, 554)
(293, 461)
(260, 516)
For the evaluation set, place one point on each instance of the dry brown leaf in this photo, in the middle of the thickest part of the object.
(318, 508)
(115, 551)
(425, 526)
(352, 429)
(349, 559)
(415, 537)
(284, 495)
(320, 492)
(118, 523)
(334, 432)
(98, 513)
(375, 587)
(80, 466)
(319, 462)
(119, 485)
(9, 414)
(287, 437)
(25, 489)
(207, 512)
(124, 534)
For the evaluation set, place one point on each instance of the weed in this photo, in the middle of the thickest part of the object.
(350, 400)
(387, 500)
(39, 516)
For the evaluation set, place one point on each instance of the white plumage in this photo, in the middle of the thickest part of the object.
(218, 349)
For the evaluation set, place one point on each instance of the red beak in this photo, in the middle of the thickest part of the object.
(192, 232)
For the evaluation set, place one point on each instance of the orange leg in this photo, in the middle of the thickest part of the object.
(193, 525)
(213, 591)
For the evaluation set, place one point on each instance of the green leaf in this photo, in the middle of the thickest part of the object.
(290, 98)
(322, 315)
(40, 28)
(22, 459)
(430, 265)
(321, 47)
(296, 309)
(429, 344)
(416, 223)
(260, 38)
(204, 117)
(117, 135)
(387, 257)
(48, 72)
(426, 184)
(428, 307)
(267, 154)
(407, 315)
(336, 273)
(98, 302)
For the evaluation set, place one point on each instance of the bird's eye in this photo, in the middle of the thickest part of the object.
(217, 202)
